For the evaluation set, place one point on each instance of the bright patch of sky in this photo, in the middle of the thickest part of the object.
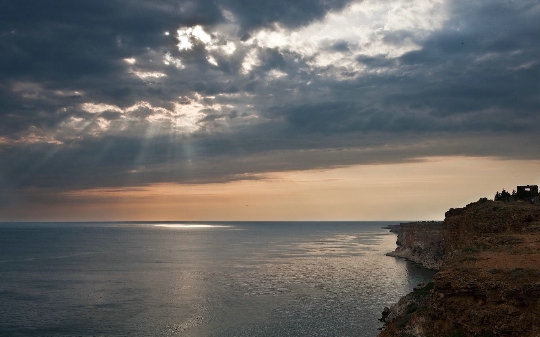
(99, 107)
(229, 48)
(169, 60)
(148, 74)
(250, 61)
(185, 117)
(36, 135)
(276, 73)
(187, 35)
(212, 60)
(361, 30)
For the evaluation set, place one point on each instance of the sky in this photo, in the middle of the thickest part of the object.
(265, 110)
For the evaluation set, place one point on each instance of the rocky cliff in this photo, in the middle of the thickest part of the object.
(488, 283)
(420, 242)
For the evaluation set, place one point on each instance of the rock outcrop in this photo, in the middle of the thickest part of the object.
(489, 282)
(420, 242)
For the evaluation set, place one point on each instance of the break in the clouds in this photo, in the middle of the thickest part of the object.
(128, 93)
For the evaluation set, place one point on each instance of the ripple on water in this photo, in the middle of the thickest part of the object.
(167, 282)
(333, 293)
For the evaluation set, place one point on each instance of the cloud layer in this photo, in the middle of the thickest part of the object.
(118, 93)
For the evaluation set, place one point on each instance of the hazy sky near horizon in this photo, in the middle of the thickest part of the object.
(254, 110)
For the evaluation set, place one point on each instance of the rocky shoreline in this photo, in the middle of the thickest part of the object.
(488, 283)
(421, 243)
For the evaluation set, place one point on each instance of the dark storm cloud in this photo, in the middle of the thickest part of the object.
(471, 86)
(67, 39)
(487, 64)
(81, 44)
(380, 61)
(254, 14)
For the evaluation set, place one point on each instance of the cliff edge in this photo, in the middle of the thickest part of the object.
(420, 242)
(488, 282)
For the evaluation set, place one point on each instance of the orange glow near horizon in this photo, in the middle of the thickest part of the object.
(421, 190)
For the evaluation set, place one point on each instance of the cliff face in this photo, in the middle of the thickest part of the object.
(420, 242)
(489, 283)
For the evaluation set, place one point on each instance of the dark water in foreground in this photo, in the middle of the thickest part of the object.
(229, 279)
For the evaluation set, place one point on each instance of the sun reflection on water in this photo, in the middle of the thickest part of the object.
(189, 226)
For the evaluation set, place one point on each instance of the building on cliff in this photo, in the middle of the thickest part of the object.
(527, 192)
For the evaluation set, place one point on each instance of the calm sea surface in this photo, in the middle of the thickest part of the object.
(199, 279)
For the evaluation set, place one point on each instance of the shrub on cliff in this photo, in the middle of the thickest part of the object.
(503, 196)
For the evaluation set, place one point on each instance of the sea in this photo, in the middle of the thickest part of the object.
(199, 278)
